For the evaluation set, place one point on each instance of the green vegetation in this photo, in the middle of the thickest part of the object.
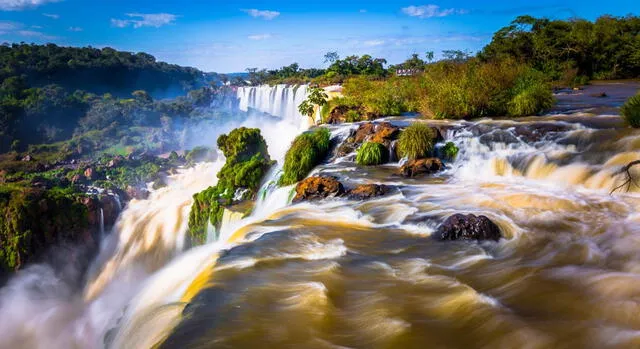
(317, 99)
(371, 154)
(306, 151)
(573, 50)
(247, 161)
(416, 141)
(450, 151)
(31, 220)
(631, 111)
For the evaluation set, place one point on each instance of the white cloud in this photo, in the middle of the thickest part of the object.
(266, 14)
(373, 43)
(6, 26)
(259, 37)
(51, 15)
(75, 29)
(35, 34)
(19, 5)
(429, 11)
(139, 20)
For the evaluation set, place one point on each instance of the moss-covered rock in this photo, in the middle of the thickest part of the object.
(371, 154)
(306, 152)
(239, 179)
(449, 151)
(33, 219)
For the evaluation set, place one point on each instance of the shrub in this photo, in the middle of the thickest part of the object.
(531, 95)
(371, 153)
(199, 154)
(631, 111)
(450, 151)
(306, 151)
(416, 141)
(352, 116)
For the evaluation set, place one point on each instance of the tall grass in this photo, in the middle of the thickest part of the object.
(305, 153)
(631, 111)
(371, 154)
(416, 141)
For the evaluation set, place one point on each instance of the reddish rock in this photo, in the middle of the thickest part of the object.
(76, 179)
(136, 192)
(110, 209)
(316, 188)
(385, 133)
(368, 191)
(468, 227)
(364, 131)
(418, 167)
(88, 173)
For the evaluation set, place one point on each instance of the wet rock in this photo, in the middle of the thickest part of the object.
(364, 131)
(385, 133)
(110, 209)
(468, 227)
(93, 210)
(367, 191)
(600, 95)
(419, 167)
(316, 188)
(137, 192)
(536, 132)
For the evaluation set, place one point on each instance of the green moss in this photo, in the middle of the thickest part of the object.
(198, 154)
(305, 153)
(416, 141)
(247, 161)
(631, 111)
(450, 151)
(371, 153)
(32, 220)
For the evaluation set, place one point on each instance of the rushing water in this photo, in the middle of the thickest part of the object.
(347, 274)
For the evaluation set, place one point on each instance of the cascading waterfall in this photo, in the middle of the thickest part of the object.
(346, 273)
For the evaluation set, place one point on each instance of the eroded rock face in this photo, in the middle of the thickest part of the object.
(316, 188)
(110, 208)
(368, 191)
(468, 227)
(420, 167)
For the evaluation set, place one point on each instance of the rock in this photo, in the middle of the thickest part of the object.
(93, 210)
(88, 173)
(418, 167)
(110, 209)
(367, 191)
(316, 188)
(468, 227)
(365, 130)
(600, 95)
(385, 133)
(137, 192)
(115, 162)
(76, 179)
(27, 158)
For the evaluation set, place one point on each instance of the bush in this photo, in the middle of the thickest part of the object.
(371, 153)
(450, 151)
(631, 111)
(531, 95)
(416, 141)
(352, 116)
(306, 151)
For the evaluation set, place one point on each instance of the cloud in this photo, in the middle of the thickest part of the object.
(259, 37)
(19, 5)
(373, 43)
(51, 15)
(16, 28)
(75, 29)
(139, 20)
(266, 14)
(35, 34)
(6, 26)
(430, 11)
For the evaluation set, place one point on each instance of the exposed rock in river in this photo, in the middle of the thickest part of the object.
(367, 191)
(468, 227)
(419, 167)
(316, 188)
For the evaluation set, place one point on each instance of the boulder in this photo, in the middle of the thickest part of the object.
(27, 158)
(316, 188)
(88, 173)
(364, 131)
(419, 167)
(137, 192)
(468, 227)
(367, 191)
(385, 133)
(110, 209)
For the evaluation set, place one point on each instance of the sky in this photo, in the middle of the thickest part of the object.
(232, 35)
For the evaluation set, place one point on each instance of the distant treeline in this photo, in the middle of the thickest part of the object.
(96, 70)
(569, 51)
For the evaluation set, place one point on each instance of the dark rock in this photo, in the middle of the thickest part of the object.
(600, 95)
(367, 191)
(418, 167)
(316, 188)
(468, 227)
(110, 209)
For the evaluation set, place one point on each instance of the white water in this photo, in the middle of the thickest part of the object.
(137, 267)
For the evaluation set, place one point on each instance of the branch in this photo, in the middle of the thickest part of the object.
(630, 180)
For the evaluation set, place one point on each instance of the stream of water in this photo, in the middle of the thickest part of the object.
(366, 274)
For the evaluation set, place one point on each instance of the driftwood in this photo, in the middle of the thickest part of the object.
(630, 180)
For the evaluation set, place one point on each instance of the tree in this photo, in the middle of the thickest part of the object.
(429, 55)
(331, 57)
(317, 98)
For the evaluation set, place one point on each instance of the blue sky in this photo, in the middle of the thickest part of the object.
(229, 36)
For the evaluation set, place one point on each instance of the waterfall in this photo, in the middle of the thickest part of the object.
(101, 223)
(281, 101)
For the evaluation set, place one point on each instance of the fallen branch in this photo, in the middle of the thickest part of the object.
(630, 180)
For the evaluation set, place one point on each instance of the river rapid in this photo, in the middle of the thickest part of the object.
(366, 274)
